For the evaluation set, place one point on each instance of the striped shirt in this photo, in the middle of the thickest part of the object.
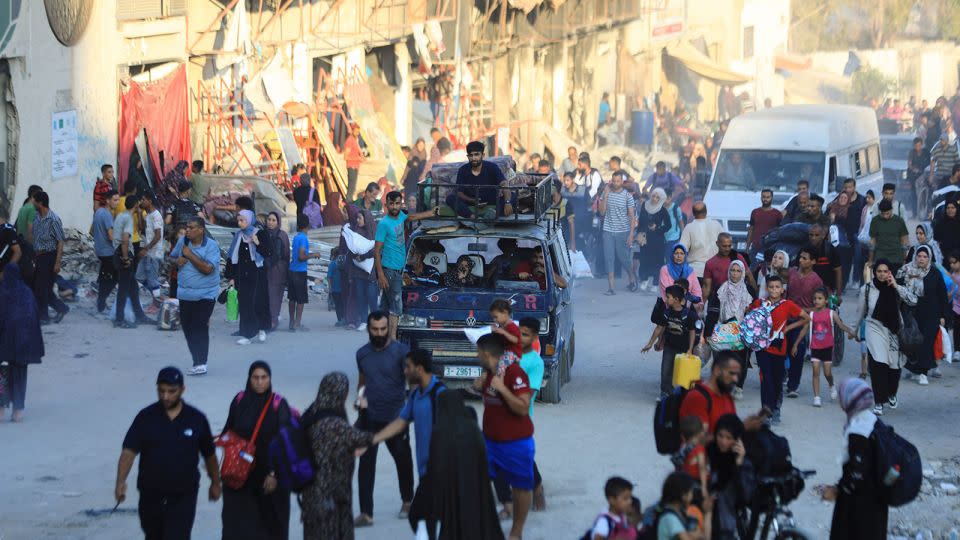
(945, 156)
(616, 219)
(47, 232)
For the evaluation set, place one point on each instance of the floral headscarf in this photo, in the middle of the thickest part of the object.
(332, 394)
(734, 297)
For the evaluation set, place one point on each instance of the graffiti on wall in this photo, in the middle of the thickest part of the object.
(94, 152)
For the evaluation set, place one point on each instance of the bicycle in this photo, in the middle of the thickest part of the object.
(769, 513)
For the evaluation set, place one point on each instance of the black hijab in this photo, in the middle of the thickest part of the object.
(886, 311)
(21, 340)
(458, 492)
(243, 416)
(723, 465)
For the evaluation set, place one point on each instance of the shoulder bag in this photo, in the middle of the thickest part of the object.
(238, 453)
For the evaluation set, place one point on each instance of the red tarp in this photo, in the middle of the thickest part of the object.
(159, 108)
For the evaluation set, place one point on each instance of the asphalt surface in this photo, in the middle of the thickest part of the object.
(61, 461)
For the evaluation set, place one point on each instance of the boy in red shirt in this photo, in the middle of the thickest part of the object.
(507, 427)
(502, 315)
(772, 360)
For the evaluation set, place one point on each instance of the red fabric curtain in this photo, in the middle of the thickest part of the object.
(159, 108)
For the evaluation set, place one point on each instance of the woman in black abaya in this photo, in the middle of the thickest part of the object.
(454, 497)
(260, 510)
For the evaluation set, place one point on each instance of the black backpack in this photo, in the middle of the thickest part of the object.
(768, 452)
(666, 418)
(899, 471)
(651, 521)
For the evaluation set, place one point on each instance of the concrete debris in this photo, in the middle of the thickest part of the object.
(948, 488)
(935, 515)
(79, 260)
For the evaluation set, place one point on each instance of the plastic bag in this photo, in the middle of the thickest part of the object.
(947, 345)
(581, 268)
(359, 245)
(127, 312)
(726, 337)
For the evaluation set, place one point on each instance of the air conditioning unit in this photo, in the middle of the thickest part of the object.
(172, 8)
(132, 10)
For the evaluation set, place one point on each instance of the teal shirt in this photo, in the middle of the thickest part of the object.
(532, 364)
(390, 232)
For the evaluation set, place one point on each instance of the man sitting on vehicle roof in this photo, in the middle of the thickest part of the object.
(477, 172)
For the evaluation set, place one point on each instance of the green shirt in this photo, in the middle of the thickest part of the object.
(25, 219)
(375, 208)
(887, 235)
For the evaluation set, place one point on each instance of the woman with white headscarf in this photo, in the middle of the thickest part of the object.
(245, 268)
(921, 277)
(735, 298)
(859, 512)
(653, 222)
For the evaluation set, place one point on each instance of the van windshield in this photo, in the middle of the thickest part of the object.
(753, 170)
(484, 262)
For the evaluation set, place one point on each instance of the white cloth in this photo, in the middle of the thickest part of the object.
(700, 239)
(359, 245)
(861, 424)
(884, 346)
(474, 334)
(591, 180)
(154, 222)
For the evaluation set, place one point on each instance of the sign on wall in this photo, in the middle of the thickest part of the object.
(64, 144)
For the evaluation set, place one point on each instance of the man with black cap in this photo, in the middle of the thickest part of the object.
(168, 435)
(477, 172)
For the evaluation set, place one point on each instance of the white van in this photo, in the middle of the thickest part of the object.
(774, 148)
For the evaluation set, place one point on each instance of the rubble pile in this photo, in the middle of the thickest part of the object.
(79, 262)
(935, 514)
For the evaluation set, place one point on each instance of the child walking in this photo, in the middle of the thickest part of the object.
(297, 284)
(678, 325)
(821, 323)
(613, 523)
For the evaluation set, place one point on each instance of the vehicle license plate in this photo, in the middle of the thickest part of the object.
(462, 372)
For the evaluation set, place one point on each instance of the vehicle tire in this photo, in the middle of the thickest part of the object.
(572, 346)
(793, 534)
(567, 365)
(550, 393)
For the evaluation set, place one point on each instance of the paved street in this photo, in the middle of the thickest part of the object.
(62, 460)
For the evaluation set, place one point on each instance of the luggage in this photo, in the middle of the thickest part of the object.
(666, 419)
(726, 337)
(899, 471)
(909, 337)
(169, 318)
(686, 370)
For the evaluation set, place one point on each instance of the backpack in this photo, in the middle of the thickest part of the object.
(666, 419)
(292, 455)
(313, 211)
(437, 387)
(899, 470)
(651, 521)
(768, 452)
(756, 328)
(618, 529)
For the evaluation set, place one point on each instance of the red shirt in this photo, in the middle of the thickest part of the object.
(716, 269)
(695, 404)
(763, 221)
(100, 190)
(781, 314)
(800, 288)
(514, 330)
(351, 152)
(690, 465)
(499, 422)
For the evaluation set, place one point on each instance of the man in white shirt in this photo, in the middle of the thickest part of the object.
(587, 176)
(151, 253)
(700, 238)
(889, 191)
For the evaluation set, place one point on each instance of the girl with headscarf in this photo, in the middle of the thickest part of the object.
(653, 222)
(245, 268)
(676, 268)
(455, 496)
(926, 282)
(879, 310)
(21, 341)
(363, 294)
(327, 503)
(859, 513)
(732, 477)
(277, 265)
(260, 509)
(461, 275)
(333, 211)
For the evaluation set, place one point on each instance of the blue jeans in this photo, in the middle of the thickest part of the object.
(366, 296)
(771, 379)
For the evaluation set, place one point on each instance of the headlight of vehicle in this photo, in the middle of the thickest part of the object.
(410, 321)
(545, 325)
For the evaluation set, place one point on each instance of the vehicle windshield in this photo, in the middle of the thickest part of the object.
(476, 262)
(896, 149)
(753, 170)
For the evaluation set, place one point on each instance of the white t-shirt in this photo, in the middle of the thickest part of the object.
(700, 239)
(591, 180)
(602, 525)
(154, 222)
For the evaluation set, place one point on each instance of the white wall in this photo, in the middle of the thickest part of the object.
(770, 20)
